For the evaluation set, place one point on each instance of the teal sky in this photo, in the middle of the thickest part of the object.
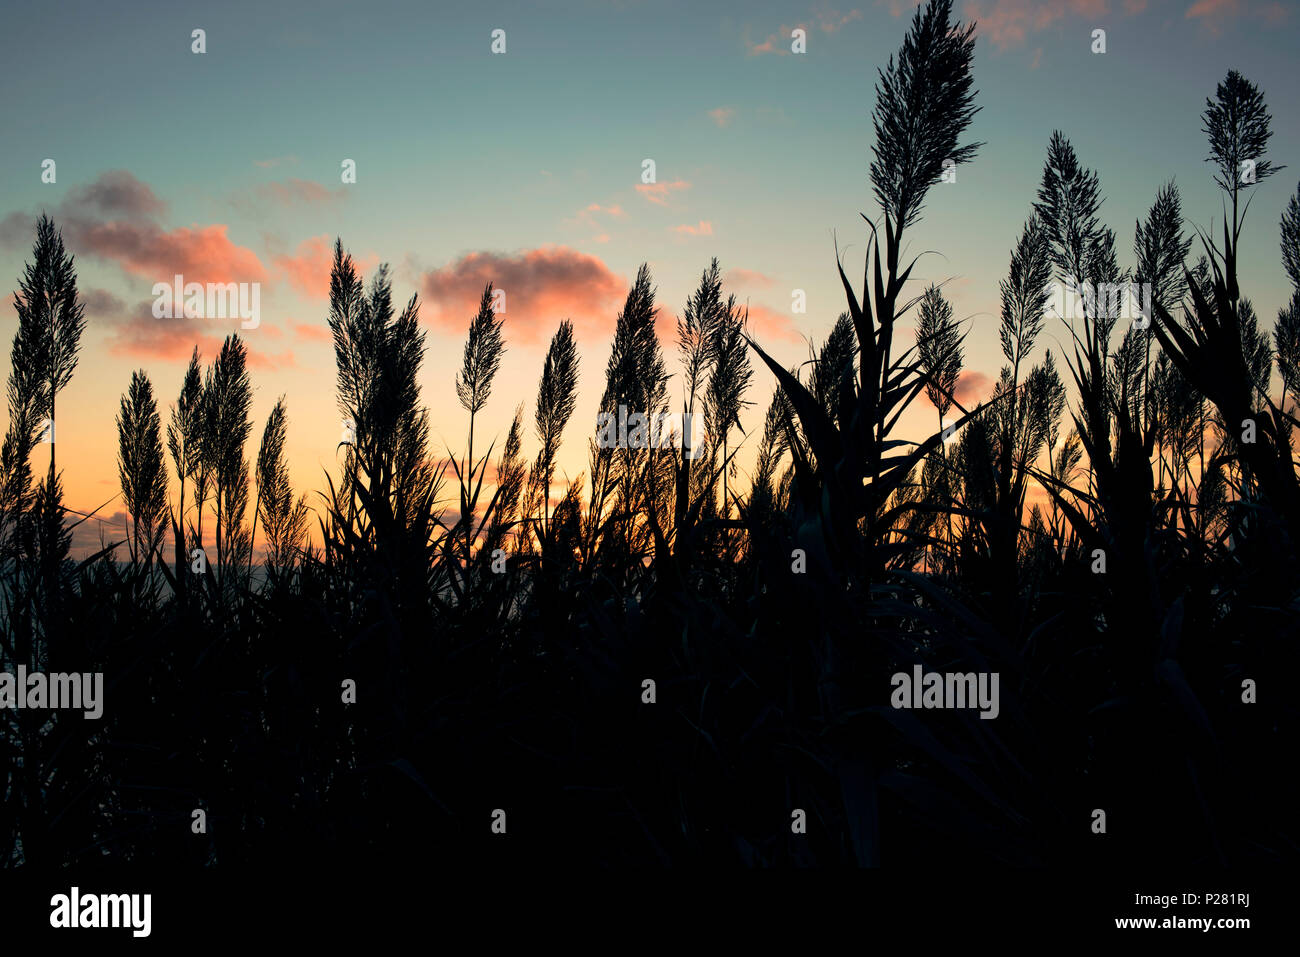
(524, 167)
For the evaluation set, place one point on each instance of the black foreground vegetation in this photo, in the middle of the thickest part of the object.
(499, 621)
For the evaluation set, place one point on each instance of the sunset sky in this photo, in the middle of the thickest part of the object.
(525, 169)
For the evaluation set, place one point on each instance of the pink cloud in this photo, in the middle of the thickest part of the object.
(313, 333)
(764, 323)
(1006, 23)
(294, 191)
(178, 346)
(747, 277)
(658, 193)
(542, 286)
(139, 334)
(828, 21)
(1215, 14)
(199, 253)
(1213, 8)
(1273, 13)
(705, 228)
(898, 8)
(308, 269)
(832, 20)
(778, 43)
(972, 388)
(265, 360)
(587, 216)
(115, 219)
(723, 115)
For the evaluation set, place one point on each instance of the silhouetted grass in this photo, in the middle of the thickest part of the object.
(499, 642)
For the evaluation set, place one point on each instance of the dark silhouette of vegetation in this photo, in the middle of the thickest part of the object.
(500, 636)
(141, 468)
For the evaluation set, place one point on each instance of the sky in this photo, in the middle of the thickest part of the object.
(524, 168)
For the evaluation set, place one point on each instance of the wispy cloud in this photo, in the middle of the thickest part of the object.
(1213, 8)
(588, 215)
(723, 115)
(705, 228)
(831, 20)
(295, 192)
(778, 43)
(310, 333)
(658, 193)
(276, 161)
(747, 277)
(765, 323)
(591, 216)
(1007, 23)
(826, 19)
(898, 8)
(1214, 15)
